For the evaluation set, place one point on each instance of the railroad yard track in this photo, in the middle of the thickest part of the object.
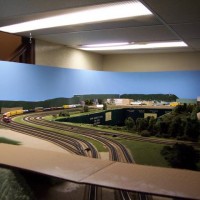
(49, 130)
(81, 130)
(117, 151)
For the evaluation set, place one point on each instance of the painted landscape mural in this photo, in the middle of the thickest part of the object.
(25, 82)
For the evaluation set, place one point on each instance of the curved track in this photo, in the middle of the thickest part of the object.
(117, 151)
(49, 131)
(68, 143)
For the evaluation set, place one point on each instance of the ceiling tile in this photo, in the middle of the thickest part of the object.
(131, 34)
(173, 20)
(195, 43)
(187, 31)
(176, 11)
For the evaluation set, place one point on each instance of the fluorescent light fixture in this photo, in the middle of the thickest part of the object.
(130, 46)
(105, 12)
(106, 44)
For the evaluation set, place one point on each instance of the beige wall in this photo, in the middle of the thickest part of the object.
(50, 54)
(152, 62)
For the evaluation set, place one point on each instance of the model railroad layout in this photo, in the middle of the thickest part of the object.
(38, 127)
(117, 152)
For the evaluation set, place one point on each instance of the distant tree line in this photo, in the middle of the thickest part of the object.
(96, 96)
(150, 97)
(88, 98)
(181, 124)
(88, 102)
(32, 104)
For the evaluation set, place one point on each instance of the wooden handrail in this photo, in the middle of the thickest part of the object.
(18, 52)
(25, 53)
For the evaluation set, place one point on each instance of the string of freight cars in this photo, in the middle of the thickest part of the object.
(7, 115)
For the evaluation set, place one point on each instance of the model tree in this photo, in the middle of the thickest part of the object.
(105, 107)
(85, 108)
(141, 124)
(129, 123)
(181, 156)
(151, 125)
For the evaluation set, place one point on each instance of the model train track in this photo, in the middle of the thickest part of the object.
(71, 144)
(113, 146)
(117, 151)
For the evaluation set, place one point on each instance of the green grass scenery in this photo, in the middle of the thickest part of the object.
(146, 153)
(74, 113)
(19, 119)
(9, 141)
(99, 146)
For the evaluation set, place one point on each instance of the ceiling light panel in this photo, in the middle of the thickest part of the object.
(154, 45)
(105, 12)
(106, 44)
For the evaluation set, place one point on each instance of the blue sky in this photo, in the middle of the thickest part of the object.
(34, 83)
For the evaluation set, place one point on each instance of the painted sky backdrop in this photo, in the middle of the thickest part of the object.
(35, 83)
